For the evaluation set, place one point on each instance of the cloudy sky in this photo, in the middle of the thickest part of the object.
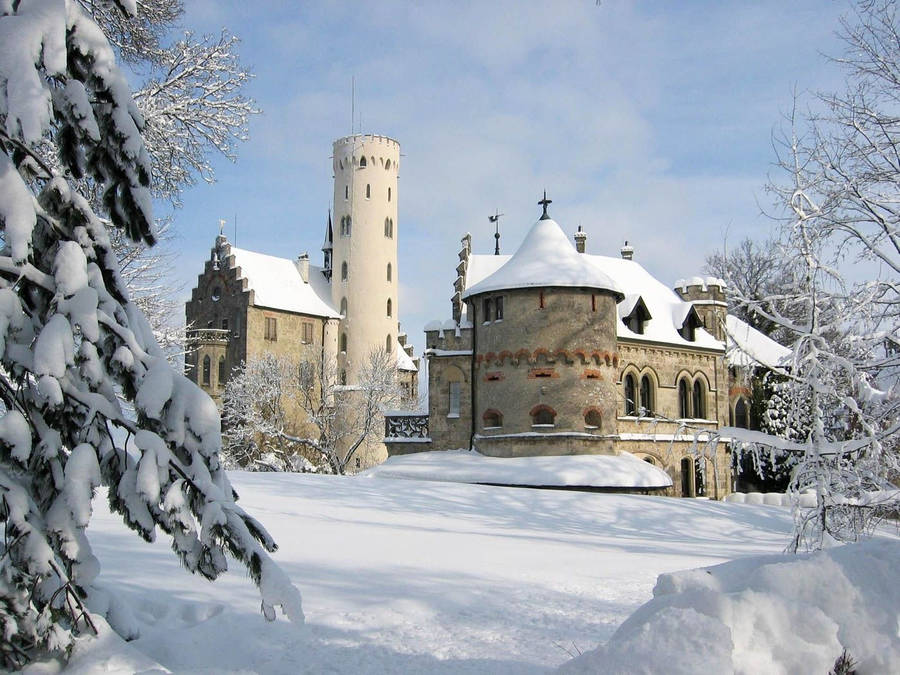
(644, 121)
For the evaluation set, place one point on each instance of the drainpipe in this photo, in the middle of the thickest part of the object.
(472, 373)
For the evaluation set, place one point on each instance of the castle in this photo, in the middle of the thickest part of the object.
(246, 303)
(549, 351)
(553, 351)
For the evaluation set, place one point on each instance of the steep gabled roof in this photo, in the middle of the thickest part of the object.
(276, 283)
(545, 259)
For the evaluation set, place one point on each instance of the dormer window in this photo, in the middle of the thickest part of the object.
(691, 323)
(637, 318)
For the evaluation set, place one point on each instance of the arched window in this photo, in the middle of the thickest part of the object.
(389, 307)
(341, 164)
(741, 414)
(387, 344)
(646, 394)
(344, 306)
(368, 191)
(343, 377)
(593, 418)
(687, 477)
(221, 371)
(387, 165)
(684, 399)
(362, 162)
(455, 393)
(346, 192)
(699, 400)
(343, 342)
(649, 460)
(630, 395)
(207, 364)
(389, 189)
(542, 416)
(389, 271)
(493, 419)
(343, 271)
(387, 227)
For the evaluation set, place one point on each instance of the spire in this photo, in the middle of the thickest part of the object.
(545, 203)
(496, 220)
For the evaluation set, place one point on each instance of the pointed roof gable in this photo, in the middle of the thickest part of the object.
(546, 258)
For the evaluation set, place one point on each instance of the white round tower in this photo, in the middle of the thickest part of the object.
(364, 254)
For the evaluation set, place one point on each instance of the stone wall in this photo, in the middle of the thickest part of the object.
(553, 350)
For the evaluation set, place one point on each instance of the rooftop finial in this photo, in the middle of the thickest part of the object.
(221, 227)
(496, 220)
(545, 203)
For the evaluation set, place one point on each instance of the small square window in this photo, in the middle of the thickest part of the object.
(307, 332)
(271, 332)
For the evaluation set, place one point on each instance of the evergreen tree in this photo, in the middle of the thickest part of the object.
(71, 340)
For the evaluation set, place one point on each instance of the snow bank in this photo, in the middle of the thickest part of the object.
(462, 466)
(769, 614)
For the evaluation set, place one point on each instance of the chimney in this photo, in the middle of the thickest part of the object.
(627, 251)
(303, 266)
(580, 239)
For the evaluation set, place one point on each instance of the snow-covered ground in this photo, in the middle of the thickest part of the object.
(414, 576)
(463, 466)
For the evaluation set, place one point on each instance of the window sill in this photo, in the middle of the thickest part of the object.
(590, 428)
(543, 426)
(491, 428)
(453, 416)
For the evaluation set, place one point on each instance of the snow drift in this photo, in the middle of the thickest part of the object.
(765, 614)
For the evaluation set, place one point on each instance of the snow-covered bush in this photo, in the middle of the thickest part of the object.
(71, 341)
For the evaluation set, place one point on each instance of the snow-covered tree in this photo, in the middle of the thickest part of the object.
(278, 412)
(71, 341)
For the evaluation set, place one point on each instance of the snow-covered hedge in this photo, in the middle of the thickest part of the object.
(768, 614)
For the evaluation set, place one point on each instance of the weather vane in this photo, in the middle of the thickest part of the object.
(496, 220)
(545, 203)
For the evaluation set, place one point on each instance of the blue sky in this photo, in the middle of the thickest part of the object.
(650, 122)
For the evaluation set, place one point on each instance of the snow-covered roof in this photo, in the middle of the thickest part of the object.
(464, 466)
(748, 346)
(545, 258)
(404, 362)
(666, 308)
(277, 284)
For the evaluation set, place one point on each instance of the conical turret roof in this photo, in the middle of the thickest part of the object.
(546, 259)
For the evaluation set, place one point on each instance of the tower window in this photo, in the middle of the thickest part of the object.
(487, 306)
(630, 395)
(343, 271)
(389, 189)
(307, 332)
(593, 418)
(388, 227)
(684, 399)
(389, 307)
(344, 377)
(387, 344)
(346, 192)
(389, 271)
(344, 342)
(493, 419)
(498, 308)
(271, 331)
(593, 302)
(699, 400)
(362, 162)
(387, 165)
(368, 190)
(741, 414)
(541, 300)
(646, 394)
(454, 402)
(344, 306)
(207, 364)
(224, 324)
(221, 371)
(543, 416)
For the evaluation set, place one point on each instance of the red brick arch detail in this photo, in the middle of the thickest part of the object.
(490, 356)
(479, 359)
(597, 357)
(502, 356)
(491, 411)
(539, 407)
(565, 354)
(608, 358)
(585, 357)
(591, 408)
(615, 360)
(542, 351)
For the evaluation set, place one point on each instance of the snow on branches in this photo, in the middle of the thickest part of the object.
(71, 341)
